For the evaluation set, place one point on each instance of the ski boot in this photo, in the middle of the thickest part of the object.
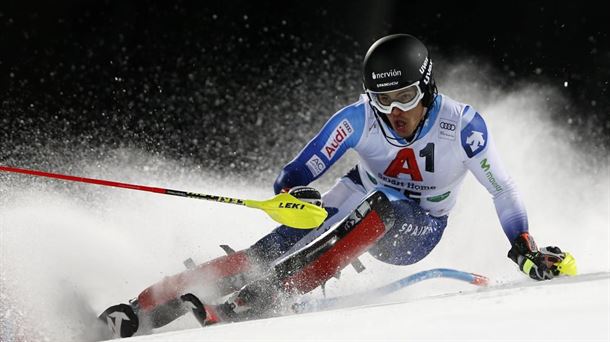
(207, 314)
(255, 300)
(124, 320)
(121, 319)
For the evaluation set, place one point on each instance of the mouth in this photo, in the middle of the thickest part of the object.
(400, 125)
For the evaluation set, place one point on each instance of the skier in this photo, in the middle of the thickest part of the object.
(415, 147)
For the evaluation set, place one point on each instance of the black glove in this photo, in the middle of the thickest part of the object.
(539, 264)
(306, 194)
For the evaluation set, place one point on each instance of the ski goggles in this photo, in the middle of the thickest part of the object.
(405, 98)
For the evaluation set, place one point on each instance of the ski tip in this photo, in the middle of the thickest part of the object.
(479, 280)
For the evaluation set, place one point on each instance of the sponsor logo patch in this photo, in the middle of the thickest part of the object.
(404, 184)
(447, 129)
(490, 176)
(391, 73)
(337, 138)
(475, 140)
(474, 136)
(485, 165)
(439, 197)
(289, 205)
(386, 84)
(315, 165)
(426, 65)
(423, 66)
(415, 229)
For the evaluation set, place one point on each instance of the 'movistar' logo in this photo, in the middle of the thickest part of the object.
(337, 138)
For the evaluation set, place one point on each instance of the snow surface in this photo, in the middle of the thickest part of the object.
(68, 251)
(561, 310)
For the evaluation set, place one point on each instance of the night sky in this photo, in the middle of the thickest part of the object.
(223, 83)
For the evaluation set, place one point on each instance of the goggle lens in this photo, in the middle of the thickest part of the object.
(405, 98)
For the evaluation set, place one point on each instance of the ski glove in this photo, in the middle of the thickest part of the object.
(540, 264)
(306, 194)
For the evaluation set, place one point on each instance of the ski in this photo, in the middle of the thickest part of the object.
(326, 303)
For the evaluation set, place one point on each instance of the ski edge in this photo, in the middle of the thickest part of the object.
(327, 303)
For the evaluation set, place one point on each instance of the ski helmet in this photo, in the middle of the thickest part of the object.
(396, 62)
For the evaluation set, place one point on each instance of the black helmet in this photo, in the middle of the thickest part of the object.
(396, 62)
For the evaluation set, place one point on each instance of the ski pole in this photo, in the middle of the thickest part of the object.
(283, 208)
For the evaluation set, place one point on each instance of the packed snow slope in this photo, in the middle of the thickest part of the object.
(68, 251)
(561, 310)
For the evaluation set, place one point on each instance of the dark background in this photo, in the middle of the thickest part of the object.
(240, 86)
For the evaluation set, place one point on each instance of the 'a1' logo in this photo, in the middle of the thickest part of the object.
(404, 162)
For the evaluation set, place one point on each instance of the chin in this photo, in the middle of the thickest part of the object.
(402, 133)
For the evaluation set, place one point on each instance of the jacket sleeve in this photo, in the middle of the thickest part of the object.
(483, 161)
(340, 133)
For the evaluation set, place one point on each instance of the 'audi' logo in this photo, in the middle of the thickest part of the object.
(447, 125)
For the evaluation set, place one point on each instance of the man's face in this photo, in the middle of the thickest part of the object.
(404, 123)
(403, 108)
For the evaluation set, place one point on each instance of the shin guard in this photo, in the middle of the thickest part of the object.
(218, 277)
(317, 263)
